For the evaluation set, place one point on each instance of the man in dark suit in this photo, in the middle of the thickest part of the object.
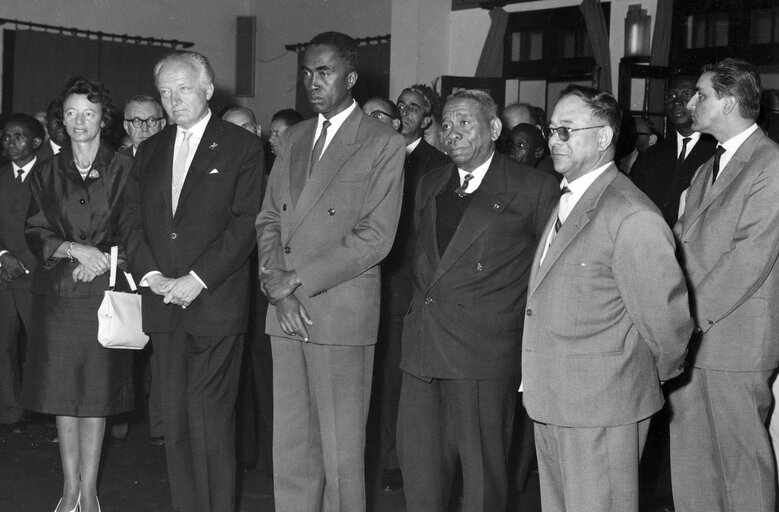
(606, 319)
(58, 137)
(721, 458)
(477, 222)
(415, 110)
(199, 190)
(664, 172)
(327, 220)
(22, 135)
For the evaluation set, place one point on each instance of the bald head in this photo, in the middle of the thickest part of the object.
(515, 114)
(243, 117)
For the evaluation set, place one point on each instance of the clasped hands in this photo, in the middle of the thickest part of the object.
(92, 262)
(180, 291)
(279, 285)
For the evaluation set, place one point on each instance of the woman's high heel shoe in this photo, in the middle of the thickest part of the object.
(77, 508)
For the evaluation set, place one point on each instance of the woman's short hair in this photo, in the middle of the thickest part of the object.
(95, 92)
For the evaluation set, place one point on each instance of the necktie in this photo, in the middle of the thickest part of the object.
(19, 175)
(462, 188)
(683, 153)
(180, 170)
(558, 223)
(717, 157)
(319, 146)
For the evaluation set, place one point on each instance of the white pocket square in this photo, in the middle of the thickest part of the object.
(214, 171)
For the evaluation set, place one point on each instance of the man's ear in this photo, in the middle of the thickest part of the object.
(605, 137)
(539, 152)
(396, 124)
(728, 105)
(36, 143)
(427, 121)
(495, 126)
(351, 79)
(652, 140)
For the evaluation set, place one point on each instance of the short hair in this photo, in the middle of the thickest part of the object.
(229, 109)
(95, 92)
(428, 106)
(535, 135)
(196, 59)
(289, 116)
(602, 104)
(487, 105)
(436, 103)
(143, 98)
(740, 79)
(345, 47)
(28, 122)
(389, 104)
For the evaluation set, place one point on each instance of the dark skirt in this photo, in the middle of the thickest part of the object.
(67, 371)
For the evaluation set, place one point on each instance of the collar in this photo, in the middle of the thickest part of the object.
(731, 146)
(694, 138)
(579, 186)
(55, 148)
(197, 130)
(335, 122)
(25, 168)
(411, 147)
(478, 175)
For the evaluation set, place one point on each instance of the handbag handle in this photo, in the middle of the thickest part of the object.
(112, 276)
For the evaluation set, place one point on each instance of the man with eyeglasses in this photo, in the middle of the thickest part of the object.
(607, 317)
(143, 117)
(666, 169)
(414, 108)
(383, 110)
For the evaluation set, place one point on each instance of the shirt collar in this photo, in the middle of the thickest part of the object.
(55, 148)
(25, 169)
(694, 137)
(580, 185)
(336, 121)
(411, 147)
(197, 130)
(731, 145)
(478, 175)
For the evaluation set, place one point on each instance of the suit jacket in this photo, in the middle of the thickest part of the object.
(729, 236)
(335, 226)
(396, 267)
(211, 233)
(465, 319)
(14, 204)
(45, 152)
(64, 207)
(607, 312)
(655, 172)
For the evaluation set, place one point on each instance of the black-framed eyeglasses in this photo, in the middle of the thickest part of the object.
(683, 97)
(564, 133)
(151, 122)
(378, 113)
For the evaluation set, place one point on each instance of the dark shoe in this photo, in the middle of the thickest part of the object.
(157, 440)
(391, 480)
(50, 433)
(6, 429)
(119, 433)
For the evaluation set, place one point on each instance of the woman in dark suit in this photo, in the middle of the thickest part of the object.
(72, 224)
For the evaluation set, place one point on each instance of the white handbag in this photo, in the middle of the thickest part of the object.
(119, 315)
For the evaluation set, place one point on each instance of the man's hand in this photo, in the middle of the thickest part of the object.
(185, 289)
(293, 317)
(159, 284)
(13, 266)
(278, 284)
(83, 274)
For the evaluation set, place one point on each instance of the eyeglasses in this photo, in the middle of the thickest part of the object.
(376, 114)
(564, 132)
(411, 107)
(683, 97)
(151, 122)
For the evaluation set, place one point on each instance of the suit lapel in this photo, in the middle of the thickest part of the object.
(489, 200)
(341, 147)
(300, 154)
(577, 219)
(206, 151)
(164, 166)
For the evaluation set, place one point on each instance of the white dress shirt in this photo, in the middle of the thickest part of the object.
(335, 123)
(478, 175)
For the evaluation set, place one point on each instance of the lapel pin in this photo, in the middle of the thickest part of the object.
(213, 146)
(496, 206)
(93, 174)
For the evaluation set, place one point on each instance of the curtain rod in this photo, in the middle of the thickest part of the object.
(100, 35)
(361, 41)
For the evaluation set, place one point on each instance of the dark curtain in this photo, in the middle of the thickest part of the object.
(491, 59)
(43, 62)
(373, 66)
(599, 39)
(661, 49)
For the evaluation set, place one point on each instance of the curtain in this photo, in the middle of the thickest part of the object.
(599, 38)
(661, 39)
(491, 60)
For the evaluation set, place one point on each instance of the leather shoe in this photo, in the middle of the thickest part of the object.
(391, 480)
(6, 429)
(157, 440)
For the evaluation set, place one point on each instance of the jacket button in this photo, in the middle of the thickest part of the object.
(331, 211)
(529, 312)
(83, 201)
(284, 207)
(82, 237)
(287, 250)
(428, 301)
(173, 236)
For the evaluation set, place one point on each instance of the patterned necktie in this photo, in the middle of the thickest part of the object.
(683, 153)
(319, 146)
(180, 170)
(462, 188)
(717, 157)
(19, 176)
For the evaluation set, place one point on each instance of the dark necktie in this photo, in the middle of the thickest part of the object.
(319, 146)
(717, 156)
(462, 188)
(683, 153)
(558, 223)
(19, 175)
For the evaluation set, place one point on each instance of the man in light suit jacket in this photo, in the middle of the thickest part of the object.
(607, 317)
(721, 457)
(328, 219)
(477, 222)
(199, 191)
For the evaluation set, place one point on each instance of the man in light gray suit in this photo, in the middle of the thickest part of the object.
(328, 219)
(607, 317)
(721, 456)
